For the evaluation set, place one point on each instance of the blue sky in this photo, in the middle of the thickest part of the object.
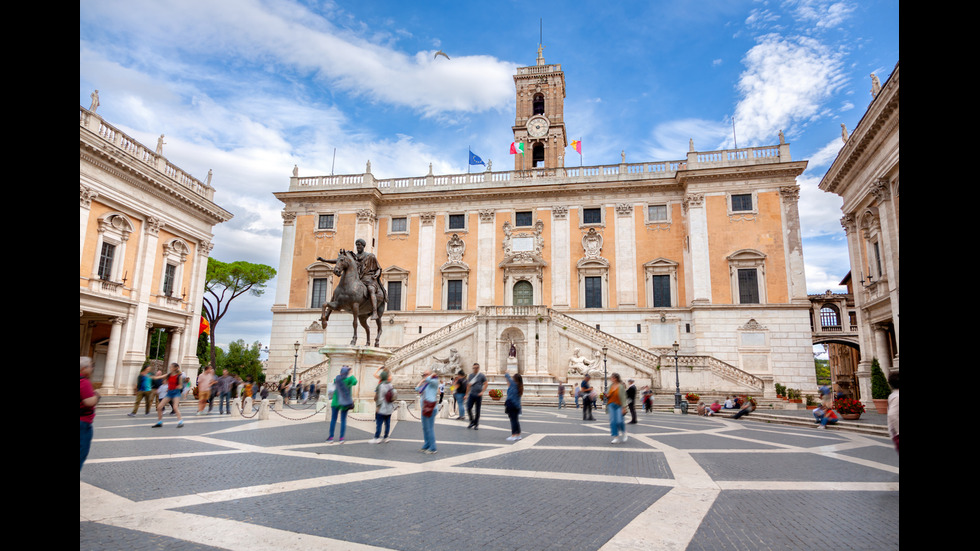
(249, 88)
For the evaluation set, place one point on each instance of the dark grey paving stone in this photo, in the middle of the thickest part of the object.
(492, 512)
(142, 447)
(160, 478)
(708, 442)
(793, 436)
(881, 454)
(100, 537)
(803, 467)
(772, 520)
(616, 462)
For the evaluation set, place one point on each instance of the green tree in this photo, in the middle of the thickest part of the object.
(241, 359)
(226, 281)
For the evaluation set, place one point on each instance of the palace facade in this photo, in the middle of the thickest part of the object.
(144, 240)
(865, 175)
(618, 261)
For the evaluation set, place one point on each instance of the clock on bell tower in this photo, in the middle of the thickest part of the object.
(539, 123)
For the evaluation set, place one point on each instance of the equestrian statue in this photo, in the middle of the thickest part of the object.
(359, 292)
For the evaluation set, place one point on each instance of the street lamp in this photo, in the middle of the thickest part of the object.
(295, 359)
(604, 350)
(677, 378)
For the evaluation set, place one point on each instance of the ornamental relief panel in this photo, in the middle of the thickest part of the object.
(523, 246)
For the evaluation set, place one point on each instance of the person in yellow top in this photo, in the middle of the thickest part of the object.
(615, 402)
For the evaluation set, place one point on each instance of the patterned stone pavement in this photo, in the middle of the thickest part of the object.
(679, 482)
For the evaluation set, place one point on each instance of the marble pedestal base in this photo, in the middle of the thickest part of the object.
(364, 361)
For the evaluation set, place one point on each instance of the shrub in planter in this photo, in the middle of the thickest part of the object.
(692, 397)
(496, 393)
(847, 406)
(879, 387)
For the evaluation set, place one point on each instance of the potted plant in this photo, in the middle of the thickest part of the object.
(794, 395)
(496, 393)
(780, 391)
(692, 397)
(811, 403)
(879, 388)
(849, 409)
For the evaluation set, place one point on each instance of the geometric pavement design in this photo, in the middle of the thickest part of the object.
(678, 482)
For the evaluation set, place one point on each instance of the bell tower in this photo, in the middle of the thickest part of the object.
(540, 123)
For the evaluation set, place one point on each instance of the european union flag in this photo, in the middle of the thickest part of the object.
(475, 160)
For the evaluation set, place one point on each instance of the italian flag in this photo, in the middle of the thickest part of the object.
(516, 147)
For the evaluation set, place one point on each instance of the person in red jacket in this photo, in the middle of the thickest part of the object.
(87, 400)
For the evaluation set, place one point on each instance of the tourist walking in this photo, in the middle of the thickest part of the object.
(578, 392)
(512, 405)
(476, 386)
(460, 393)
(428, 388)
(144, 391)
(223, 389)
(384, 400)
(87, 400)
(174, 392)
(341, 403)
(586, 390)
(204, 382)
(616, 400)
(647, 399)
(893, 408)
(631, 400)
(561, 394)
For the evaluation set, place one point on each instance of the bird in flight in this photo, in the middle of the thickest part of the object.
(440, 53)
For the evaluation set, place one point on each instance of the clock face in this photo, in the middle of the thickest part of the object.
(537, 127)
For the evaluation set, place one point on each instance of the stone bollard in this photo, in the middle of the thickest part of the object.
(322, 404)
(401, 414)
(264, 409)
(444, 410)
(279, 403)
(247, 406)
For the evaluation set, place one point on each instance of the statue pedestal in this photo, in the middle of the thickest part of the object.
(511, 366)
(363, 361)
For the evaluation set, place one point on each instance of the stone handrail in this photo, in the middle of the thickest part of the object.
(424, 342)
(644, 358)
(720, 368)
(142, 154)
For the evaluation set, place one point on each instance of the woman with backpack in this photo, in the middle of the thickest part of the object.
(341, 402)
(384, 398)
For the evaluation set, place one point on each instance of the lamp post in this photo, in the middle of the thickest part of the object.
(677, 378)
(604, 371)
(295, 359)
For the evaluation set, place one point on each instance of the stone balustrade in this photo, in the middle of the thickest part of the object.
(563, 175)
(143, 154)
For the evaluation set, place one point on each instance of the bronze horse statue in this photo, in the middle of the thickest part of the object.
(351, 295)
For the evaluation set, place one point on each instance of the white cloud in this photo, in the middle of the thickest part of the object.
(822, 14)
(784, 84)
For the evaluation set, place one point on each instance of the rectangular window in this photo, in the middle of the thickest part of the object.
(748, 286)
(742, 202)
(593, 292)
(399, 224)
(592, 216)
(394, 295)
(661, 291)
(657, 213)
(878, 258)
(457, 221)
(454, 294)
(319, 292)
(523, 218)
(105, 260)
(325, 222)
(169, 274)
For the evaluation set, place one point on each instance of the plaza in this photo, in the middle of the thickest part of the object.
(678, 482)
